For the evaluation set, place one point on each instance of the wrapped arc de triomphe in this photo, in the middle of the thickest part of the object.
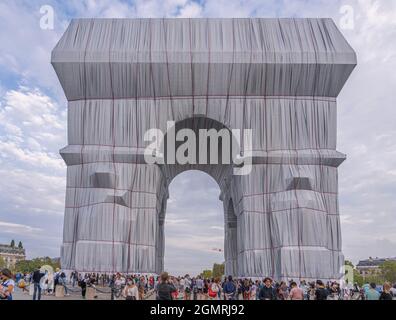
(278, 77)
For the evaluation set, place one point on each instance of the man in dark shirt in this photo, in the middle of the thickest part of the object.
(37, 275)
(267, 292)
(229, 289)
(165, 289)
(321, 292)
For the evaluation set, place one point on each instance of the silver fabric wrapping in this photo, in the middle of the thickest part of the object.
(278, 77)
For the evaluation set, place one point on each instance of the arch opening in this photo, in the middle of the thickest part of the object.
(194, 227)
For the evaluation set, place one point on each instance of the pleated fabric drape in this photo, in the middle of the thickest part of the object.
(278, 77)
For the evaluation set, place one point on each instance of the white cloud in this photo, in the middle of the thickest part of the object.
(25, 51)
(16, 228)
(366, 122)
(191, 10)
(32, 187)
(31, 192)
(34, 130)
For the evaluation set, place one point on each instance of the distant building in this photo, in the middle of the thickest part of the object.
(371, 266)
(11, 255)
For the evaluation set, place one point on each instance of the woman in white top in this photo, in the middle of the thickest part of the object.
(131, 291)
(214, 290)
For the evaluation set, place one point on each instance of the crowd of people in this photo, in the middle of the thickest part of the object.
(166, 287)
(198, 288)
(43, 282)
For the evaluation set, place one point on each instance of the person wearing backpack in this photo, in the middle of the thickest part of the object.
(164, 288)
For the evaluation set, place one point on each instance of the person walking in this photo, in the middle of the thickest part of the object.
(334, 291)
(296, 293)
(253, 291)
(141, 287)
(267, 292)
(7, 285)
(56, 277)
(393, 291)
(372, 293)
(260, 285)
(175, 282)
(131, 291)
(200, 285)
(321, 293)
(305, 288)
(229, 289)
(74, 278)
(37, 275)
(282, 291)
(214, 289)
(246, 289)
(82, 283)
(164, 288)
(386, 293)
(187, 287)
(62, 281)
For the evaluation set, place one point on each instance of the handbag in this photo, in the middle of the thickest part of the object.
(211, 293)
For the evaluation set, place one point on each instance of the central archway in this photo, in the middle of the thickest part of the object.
(194, 224)
(220, 172)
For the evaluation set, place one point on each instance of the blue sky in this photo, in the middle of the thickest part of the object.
(33, 128)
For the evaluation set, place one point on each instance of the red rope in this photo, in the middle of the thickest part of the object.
(192, 70)
(167, 69)
(282, 246)
(315, 211)
(208, 78)
(226, 113)
(109, 241)
(76, 214)
(113, 154)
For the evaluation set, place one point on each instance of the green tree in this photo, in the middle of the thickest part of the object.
(388, 270)
(376, 278)
(12, 243)
(31, 265)
(20, 246)
(206, 274)
(357, 277)
(218, 270)
(2, 263)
